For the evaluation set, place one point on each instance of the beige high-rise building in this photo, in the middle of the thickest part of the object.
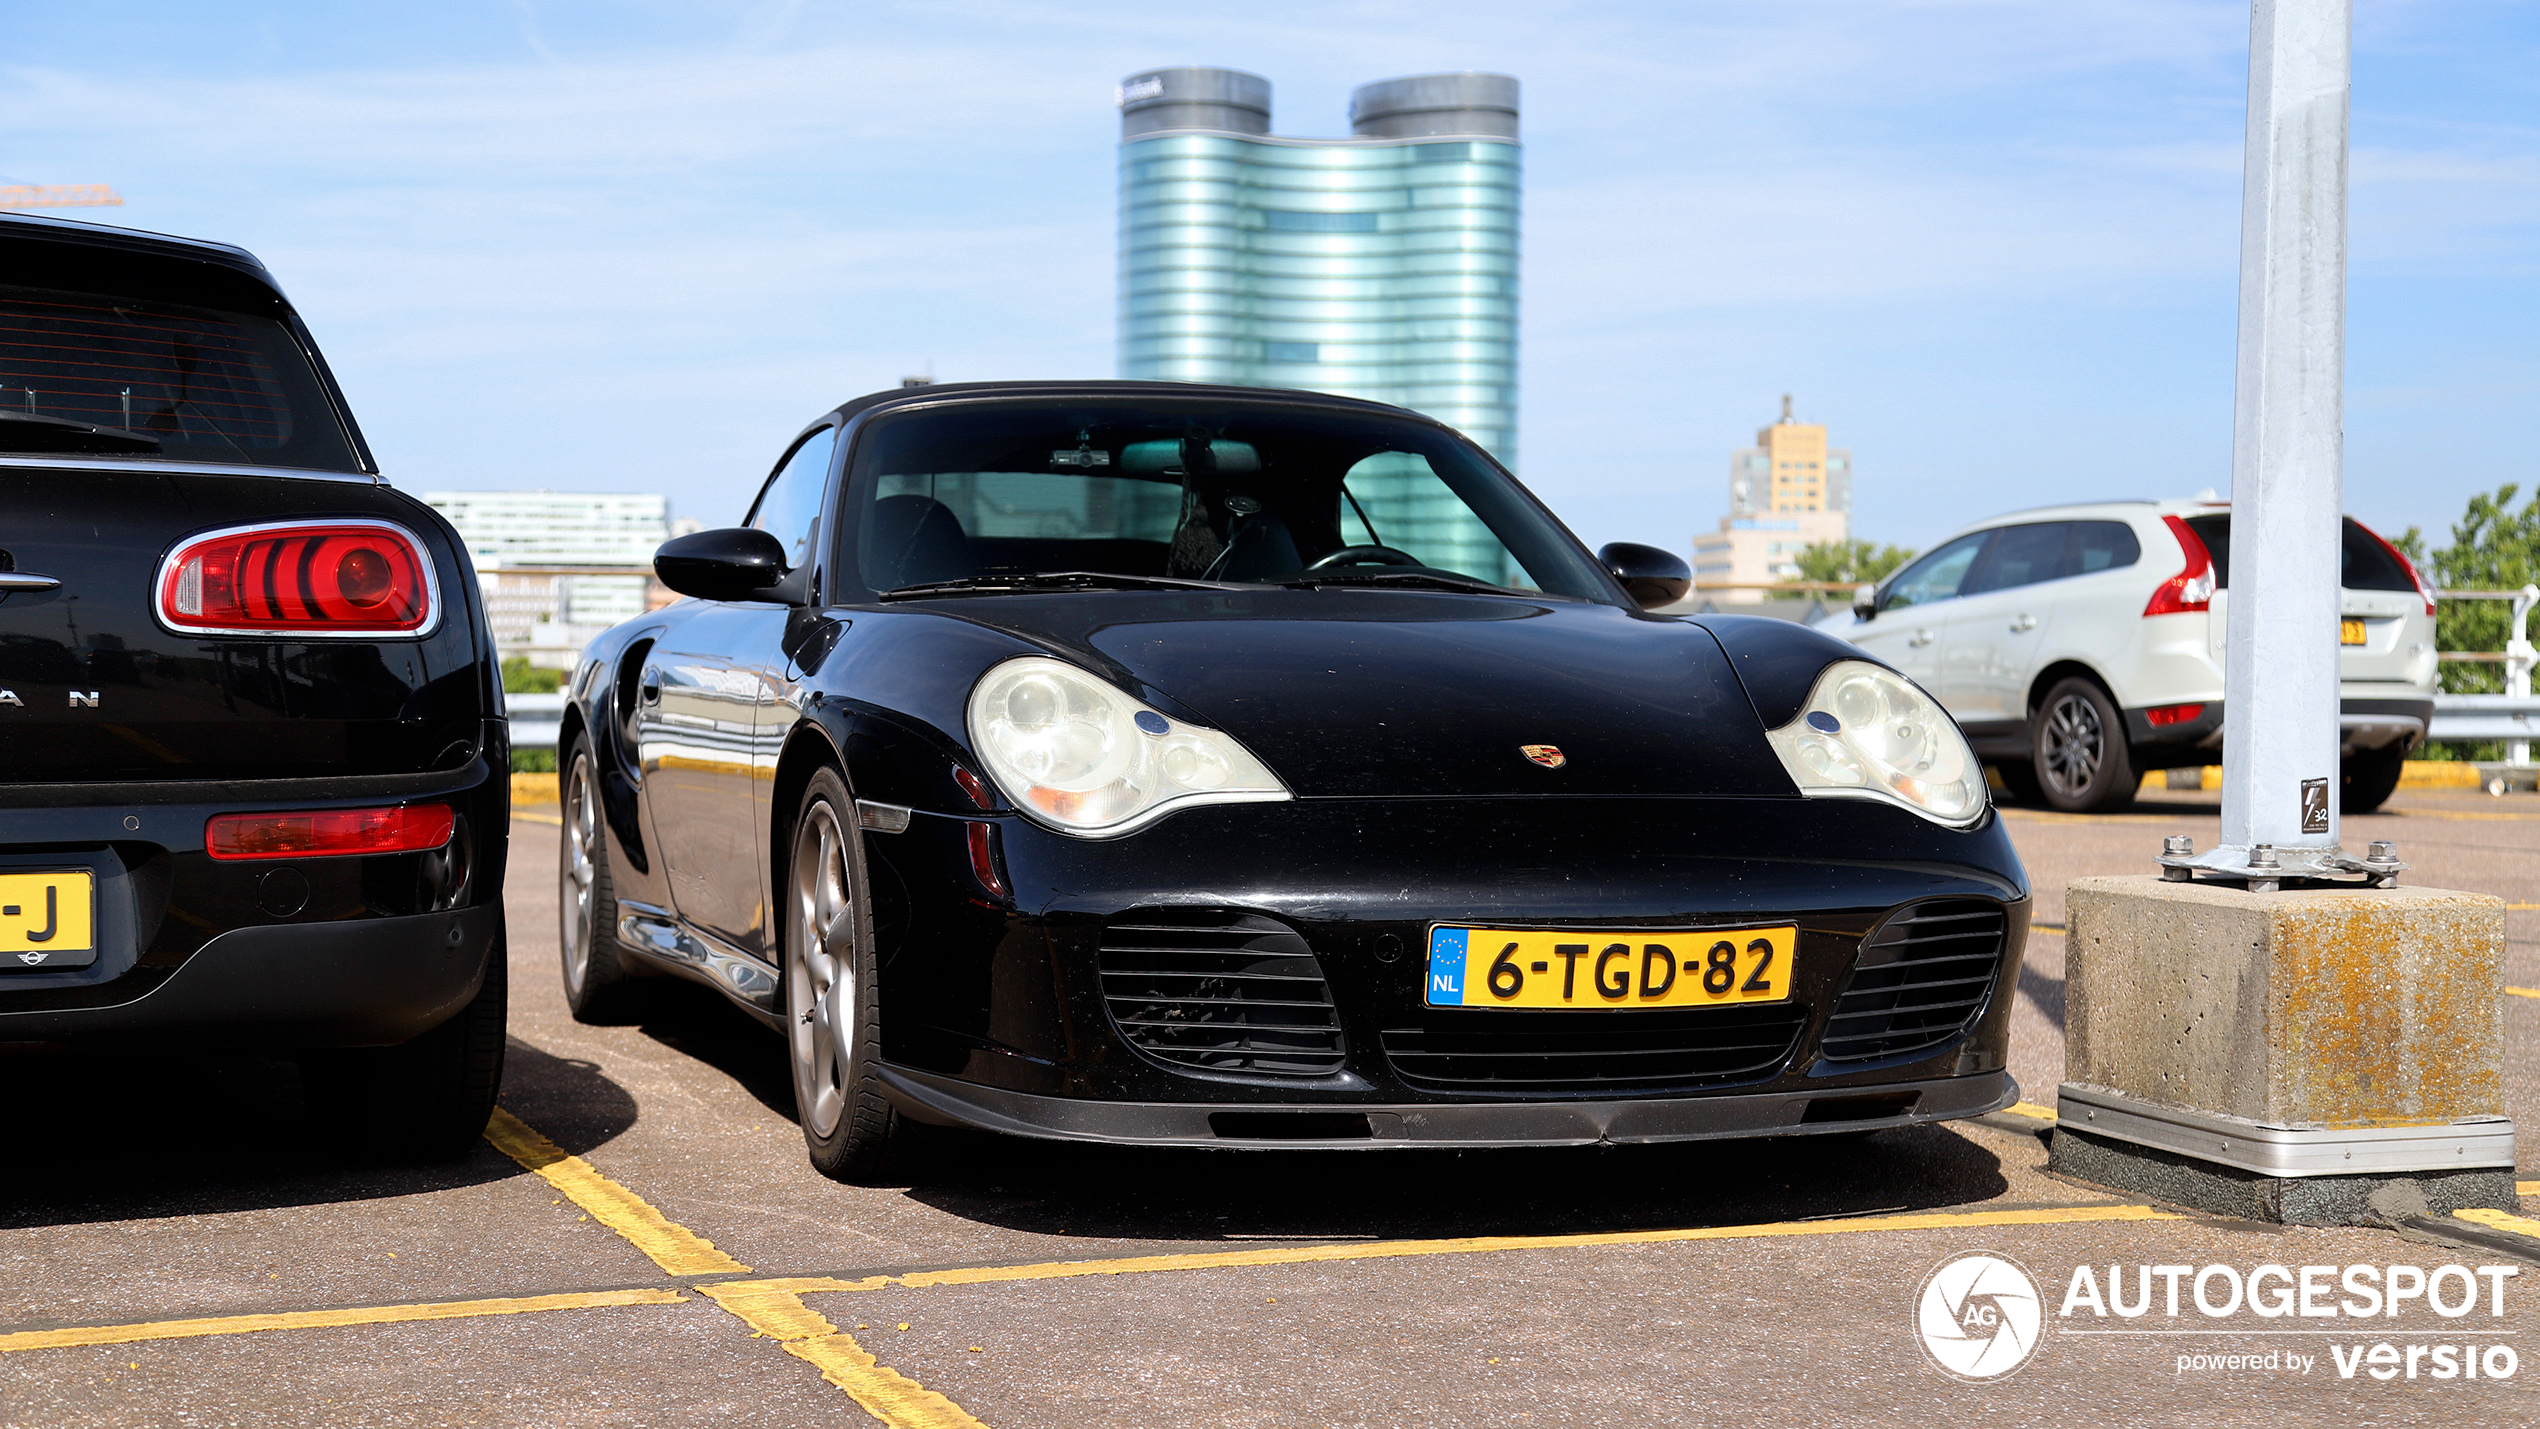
(1787, 492)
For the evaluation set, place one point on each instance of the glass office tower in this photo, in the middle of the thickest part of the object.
(1383, 265)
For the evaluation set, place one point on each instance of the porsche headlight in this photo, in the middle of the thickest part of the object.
(1867, 733)
(1080, 756)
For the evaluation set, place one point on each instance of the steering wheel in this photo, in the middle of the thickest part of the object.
(1363, 556)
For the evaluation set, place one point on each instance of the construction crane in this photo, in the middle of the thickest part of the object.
(59, 196)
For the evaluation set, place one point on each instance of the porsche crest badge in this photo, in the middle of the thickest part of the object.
(1547, 755)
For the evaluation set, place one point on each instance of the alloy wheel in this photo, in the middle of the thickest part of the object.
(2075, 744)
(575, 894)
(820, 976)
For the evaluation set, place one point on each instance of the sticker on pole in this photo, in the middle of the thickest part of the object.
(2315, 806)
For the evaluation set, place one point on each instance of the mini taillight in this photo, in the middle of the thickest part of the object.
(328, 833)
(2191, 589)
(2172, 714)
(2405, 564)
(316, 578)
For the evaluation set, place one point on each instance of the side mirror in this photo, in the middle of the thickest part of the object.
(1649, 575)
(735, 563)
(1865, 603)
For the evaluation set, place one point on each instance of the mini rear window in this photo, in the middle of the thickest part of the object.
(209, 369)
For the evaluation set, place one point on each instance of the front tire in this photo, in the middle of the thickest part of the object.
(2079, 749)
(425, 1099)
(832, 999)
(596, 985)
(2370, 776)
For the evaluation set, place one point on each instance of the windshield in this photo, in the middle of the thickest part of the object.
(981, 495)
(112, 354)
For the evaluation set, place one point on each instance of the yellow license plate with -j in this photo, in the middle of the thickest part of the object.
(1606, 968)
(47, 920)
(2350, 632)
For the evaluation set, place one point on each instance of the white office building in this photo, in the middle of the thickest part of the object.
(531, 549)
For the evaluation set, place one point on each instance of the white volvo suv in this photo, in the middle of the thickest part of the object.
(2079, 646)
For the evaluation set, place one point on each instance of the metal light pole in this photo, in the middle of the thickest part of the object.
(2280, 734)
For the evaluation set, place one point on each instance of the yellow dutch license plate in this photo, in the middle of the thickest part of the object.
(2350, 632)
(47, 919)
(1605, 968)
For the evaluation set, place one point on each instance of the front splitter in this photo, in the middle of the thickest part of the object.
(1327, 1125)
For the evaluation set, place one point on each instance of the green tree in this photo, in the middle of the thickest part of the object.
(1851, 562)
(522, 678)
(2494, 547)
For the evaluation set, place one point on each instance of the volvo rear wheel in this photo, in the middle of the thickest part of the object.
(2080, 754)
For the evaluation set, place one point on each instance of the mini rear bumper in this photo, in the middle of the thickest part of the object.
(369, 983)
(1474, 1125)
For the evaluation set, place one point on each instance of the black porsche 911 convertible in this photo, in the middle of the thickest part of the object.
(1170, 764)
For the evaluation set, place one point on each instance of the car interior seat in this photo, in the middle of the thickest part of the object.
(1261, 547)
(915, 540)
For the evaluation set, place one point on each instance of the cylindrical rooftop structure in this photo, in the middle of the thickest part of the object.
(1465, 105)
(1228, 101)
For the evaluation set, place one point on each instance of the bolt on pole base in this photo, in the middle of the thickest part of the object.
(2264, 868)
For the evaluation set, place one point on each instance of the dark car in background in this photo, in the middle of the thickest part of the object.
(253, 764)
(1166, 764)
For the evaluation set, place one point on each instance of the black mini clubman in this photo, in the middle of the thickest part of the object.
(254, 770)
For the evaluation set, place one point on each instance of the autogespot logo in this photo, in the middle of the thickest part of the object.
(1979, 1316)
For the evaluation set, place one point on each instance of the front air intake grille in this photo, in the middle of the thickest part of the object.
(1918, 982)
(1223, 992)
(1589, 1052)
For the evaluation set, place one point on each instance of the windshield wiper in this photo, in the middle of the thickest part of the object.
(1435, 580)
(34, 432)
(1053, 580)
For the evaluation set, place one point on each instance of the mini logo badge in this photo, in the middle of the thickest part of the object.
(1979, 1316)
(31, 959)
(1547, 755)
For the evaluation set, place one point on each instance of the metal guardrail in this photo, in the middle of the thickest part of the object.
(2513, 716)
(536, 719)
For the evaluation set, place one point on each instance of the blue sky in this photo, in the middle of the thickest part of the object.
(1993, 245)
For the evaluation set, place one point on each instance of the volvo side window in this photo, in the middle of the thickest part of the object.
(1936, 576)
(789, 508)
(2021, 555)
(2101, 546)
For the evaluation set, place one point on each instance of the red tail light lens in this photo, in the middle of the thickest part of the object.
(2160, 715)
(2191, 589)
(328, 833)
(320, 578)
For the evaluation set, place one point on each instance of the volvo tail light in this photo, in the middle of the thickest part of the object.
(328, 833)
(2191, 589)
(302, 578)
(2425, 588)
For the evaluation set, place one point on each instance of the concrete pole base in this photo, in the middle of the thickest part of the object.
(2286, 1200)
(2314, 1057)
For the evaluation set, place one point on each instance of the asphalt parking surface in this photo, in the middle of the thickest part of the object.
(177, 1245)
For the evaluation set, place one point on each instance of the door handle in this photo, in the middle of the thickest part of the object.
(1921, 638)
(651, 688)
(2025, 622)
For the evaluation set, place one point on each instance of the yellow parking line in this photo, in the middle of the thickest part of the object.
(2031, 1110)
(673, 1247)
(1467, 1245)
(767, 1307)
(324, 1319)
(2501, 1221)
(886, 1394)
(2527, 1188)
(555, 819)
(2524, 991)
